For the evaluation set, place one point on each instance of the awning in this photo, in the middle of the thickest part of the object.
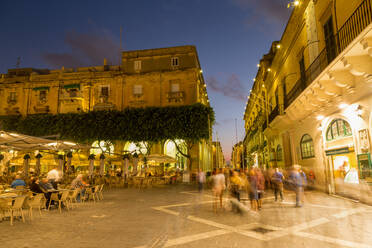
(160, 158)
(71, 86)
(41, 88)
(23, 142)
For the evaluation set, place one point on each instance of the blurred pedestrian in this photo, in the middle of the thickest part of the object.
(260, 187)
(277, 181)
(201, 179)
(298, 180)
(253, 197)
(218, 188)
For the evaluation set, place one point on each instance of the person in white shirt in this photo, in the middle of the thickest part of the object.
(54, 177)
(219, 187)
(201, 179)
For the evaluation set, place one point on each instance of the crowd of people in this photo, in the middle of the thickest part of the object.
(252, 183)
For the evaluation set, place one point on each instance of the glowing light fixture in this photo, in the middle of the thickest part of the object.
(320, 117)
(258, 65)
(254, 79)
(69, 143)
(201, 71)
(293, 4)
(343, 106)
(278, 46)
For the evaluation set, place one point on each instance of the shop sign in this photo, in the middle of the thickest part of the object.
(339, 151)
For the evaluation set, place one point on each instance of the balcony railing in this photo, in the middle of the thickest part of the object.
(274, 113)
(356, 23)
(177, 96)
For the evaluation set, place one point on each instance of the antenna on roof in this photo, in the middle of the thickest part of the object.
(18, 62)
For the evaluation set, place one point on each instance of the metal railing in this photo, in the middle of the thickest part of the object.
(274, 113)
(356, 23)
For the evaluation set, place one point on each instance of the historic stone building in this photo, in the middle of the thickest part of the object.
(218, 159)
(154, 77)
(311, 102)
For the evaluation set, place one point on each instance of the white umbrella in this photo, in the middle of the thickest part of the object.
(160, 158)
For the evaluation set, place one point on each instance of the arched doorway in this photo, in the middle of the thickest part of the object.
(171, 150)
(341, 155)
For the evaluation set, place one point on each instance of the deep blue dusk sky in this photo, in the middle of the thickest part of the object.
(230, 35)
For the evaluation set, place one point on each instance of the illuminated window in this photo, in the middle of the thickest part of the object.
(137, 89)
(307, 147)
(103, 146)
(338, 129)
(175, 87)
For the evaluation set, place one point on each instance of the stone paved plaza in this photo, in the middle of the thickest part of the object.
(179, 216)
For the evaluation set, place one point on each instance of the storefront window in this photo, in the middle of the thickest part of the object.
(307, 147)
(337, 129)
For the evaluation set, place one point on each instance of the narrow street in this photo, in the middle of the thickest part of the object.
(179, 216)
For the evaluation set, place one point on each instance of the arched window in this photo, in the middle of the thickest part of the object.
(136, 147)
(102, 146)
(338, 128)
(170, 149)
(307, 147)
(279, 153)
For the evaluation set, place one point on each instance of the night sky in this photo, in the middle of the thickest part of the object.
(230, 35)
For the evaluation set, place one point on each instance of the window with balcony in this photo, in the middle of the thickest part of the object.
(73, 92)
(307, 147)
(175, 87)
(12, 98)
(137, 65)
(329, 39)
(42, 96)
(338, 128)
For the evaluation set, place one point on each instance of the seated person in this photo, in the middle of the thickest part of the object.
(79, 183)
(45, 185)
(18, 182)
(35, 187)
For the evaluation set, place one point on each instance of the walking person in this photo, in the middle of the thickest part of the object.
(201, 180)
(253, 195)
(297, 180)
(260, 187)
(218, 188)
(277, 180)
(235, 185)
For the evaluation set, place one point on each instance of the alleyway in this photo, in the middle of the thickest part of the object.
(178, 216)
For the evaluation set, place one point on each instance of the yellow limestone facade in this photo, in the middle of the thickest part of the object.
(311, 101)
(155, 77)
